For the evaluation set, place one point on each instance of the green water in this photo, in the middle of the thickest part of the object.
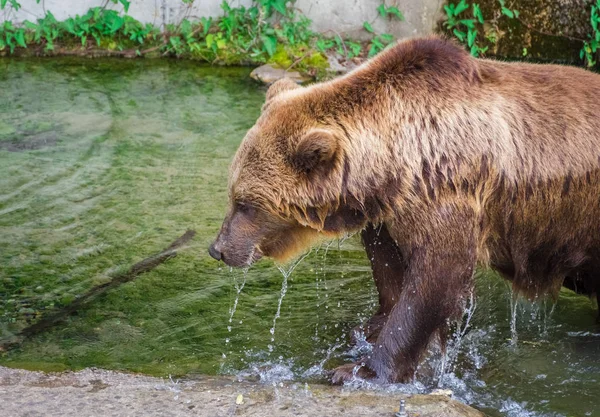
(104, 163)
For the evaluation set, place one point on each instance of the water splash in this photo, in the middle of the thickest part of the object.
(319, 369)
(284, 286)
(453, 349)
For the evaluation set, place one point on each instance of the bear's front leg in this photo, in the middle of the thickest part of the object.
(440, 257)
(388, 268)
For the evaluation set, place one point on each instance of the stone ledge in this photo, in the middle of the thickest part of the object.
(94, 392)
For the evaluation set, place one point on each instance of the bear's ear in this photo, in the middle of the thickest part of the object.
(279, 86)
(315, 150)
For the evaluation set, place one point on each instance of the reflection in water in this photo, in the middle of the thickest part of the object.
(103, 162)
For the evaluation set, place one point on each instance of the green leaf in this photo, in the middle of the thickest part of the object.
(396, 12)
(517, 13)
(185, 27)
(20, 38)
(270, 44)
(125, 4)
(373, 51)
(449, 11)
(117, 23)
(461, 7)
(69, 25)
(280, 6)
(477, 13)
(210, 38)
(460, 35)
(15, 4)
(355, 48)
(29, 25)
(381, 10)
(205, 25)
(470, 23)
(386, 37)
(471, 37)
(50, 18)
(368, 27)
(508, 12)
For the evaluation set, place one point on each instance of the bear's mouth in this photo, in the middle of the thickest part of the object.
(255, 255)
(237, 261)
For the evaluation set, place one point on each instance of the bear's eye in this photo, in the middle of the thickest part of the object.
(243, 208)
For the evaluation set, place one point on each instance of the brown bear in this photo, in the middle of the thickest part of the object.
(444, 162)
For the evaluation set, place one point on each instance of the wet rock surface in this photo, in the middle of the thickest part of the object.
(93, 392)
(268, 74)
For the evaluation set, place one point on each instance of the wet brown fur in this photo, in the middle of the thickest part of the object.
(444, 162)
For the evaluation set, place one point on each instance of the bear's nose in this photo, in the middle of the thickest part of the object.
(214, 252)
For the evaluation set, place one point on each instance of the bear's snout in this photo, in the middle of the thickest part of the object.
(235, 253)
(214, 252)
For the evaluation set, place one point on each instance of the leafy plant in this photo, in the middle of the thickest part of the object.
(391, 11)
(464, 27)
(380, 41)
(511, 14)
(590, 46)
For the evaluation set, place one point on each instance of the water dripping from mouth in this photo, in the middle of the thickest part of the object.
(321, 287)
(513, 319)
(284, 286)
(238, 290)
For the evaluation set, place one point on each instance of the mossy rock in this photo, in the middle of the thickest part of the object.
(302, 57)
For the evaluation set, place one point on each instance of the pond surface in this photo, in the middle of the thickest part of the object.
(106, 162)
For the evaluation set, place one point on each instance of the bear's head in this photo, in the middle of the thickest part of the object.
(286, 181)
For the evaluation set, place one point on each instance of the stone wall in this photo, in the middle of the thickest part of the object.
(345, 17)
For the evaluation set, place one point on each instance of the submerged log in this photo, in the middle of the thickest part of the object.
(146, 265)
